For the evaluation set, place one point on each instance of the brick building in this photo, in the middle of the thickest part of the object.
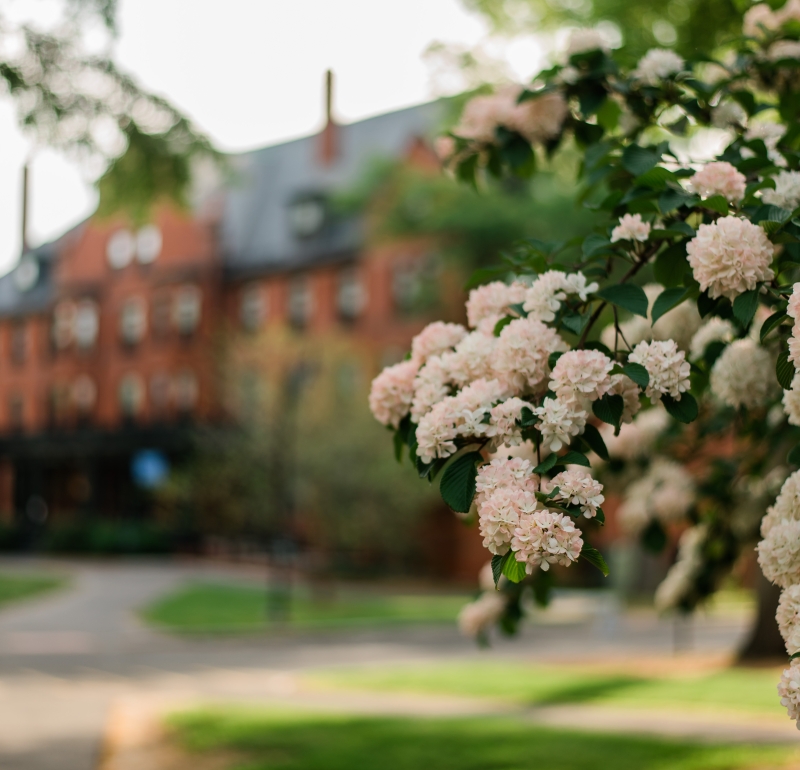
(112, 336)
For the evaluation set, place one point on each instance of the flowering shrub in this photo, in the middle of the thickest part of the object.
(558, 360)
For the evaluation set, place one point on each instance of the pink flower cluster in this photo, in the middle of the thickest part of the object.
(581, 376)
(631, 228)
(730, 256)
(666, 366)
(789, 691)
(543, 299)
(522, 351)
(392, 392)
(546, 538)
(434, 339)
(719, 178)
(577, 487)
(492, 299)
(537, 119)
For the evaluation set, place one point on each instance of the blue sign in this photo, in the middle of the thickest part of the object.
(149, 468)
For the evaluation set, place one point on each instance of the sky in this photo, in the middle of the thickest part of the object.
(249, 73)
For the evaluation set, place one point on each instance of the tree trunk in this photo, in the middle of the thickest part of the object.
(764, 642)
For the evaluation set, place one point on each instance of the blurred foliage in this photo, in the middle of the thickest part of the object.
(71, 95)
(470, 225)
(688, 26)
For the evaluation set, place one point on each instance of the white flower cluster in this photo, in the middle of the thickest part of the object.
(787, 190)
(719, 178)
(635, 440)
(657, 65)
(713, 330)
(681, 576)
(730, 256)
(665, 493)
(667, 367)
(761, 18)
(631, 228)
(789, 691)
(791, 398)
(737, 377)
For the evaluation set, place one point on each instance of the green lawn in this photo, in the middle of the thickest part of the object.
(222, 608)
(17, 586)
(738, 689)
(281, 741)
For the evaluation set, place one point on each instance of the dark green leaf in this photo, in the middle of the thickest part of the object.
(575, 323)
(593, 438)
(546, 464)
(671, 199)
(654, 538)
(609, 409)
(484, 274)
(626, 296)
(502, 323)
(465, 171)
(458, 481)
(595, 244)
(784, 369)
(497, 566)
(595, 558)
(552, 359)
(793, 458)
(574, 458)
(600, 516)
(399, 443)
(716, 203)
(638, 374)
(668, 299)
(656, 178)
(745, 306)
(514, 570)
(684, 410)
(638, 160)
(775, 320)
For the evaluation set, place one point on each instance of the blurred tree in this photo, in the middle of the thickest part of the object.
(71, 95)
(680, 24)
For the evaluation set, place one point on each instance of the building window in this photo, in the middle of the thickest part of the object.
(16, 412)
(186, 391)
(19, 342)
(131, 395)
(307, 216)
(300, 302)
(63, 324)
(84, 394)
(414, 285)
(252, 307)
(351, 294)
(159, 394)
(86, 324)
(148, 244)
(187, 309)
(120, 249)
(133, 320)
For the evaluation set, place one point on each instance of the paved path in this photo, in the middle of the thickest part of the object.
(69, 659)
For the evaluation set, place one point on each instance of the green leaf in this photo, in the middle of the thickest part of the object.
(458, 481)
(609, 409)
(595, 558)
(671, 265)
(465, 171)
(684, 410)
(656, 178)
(552, 359)
(502, 323)
(595, 244)
(595, 441)
(793, 458)
(600, 516)
(574, 458)
(672, 199)
(794, 655)
(639, 160)
(546, 464)
(775, 320)
(399, 443)
(575, 323)
(497, 566)
(626, 296)
(637, 373)
(484, 274)
(745, 306)
(717, 203)
(514, 570)
(668, 299)
(784, 369)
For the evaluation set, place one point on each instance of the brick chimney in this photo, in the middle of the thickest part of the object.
(328, 138)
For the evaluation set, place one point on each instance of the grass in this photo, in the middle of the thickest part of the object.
(223, 608)
(15, 587)
(281, 741)
(751, 690)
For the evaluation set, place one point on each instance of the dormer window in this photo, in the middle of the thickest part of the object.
(307, 215)
(351, 294)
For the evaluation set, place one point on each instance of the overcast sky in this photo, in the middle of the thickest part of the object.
(250, 73)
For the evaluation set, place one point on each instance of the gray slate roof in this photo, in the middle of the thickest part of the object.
(255, 231)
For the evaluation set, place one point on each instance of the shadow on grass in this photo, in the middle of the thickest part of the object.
(281, 741)
(586, 692)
